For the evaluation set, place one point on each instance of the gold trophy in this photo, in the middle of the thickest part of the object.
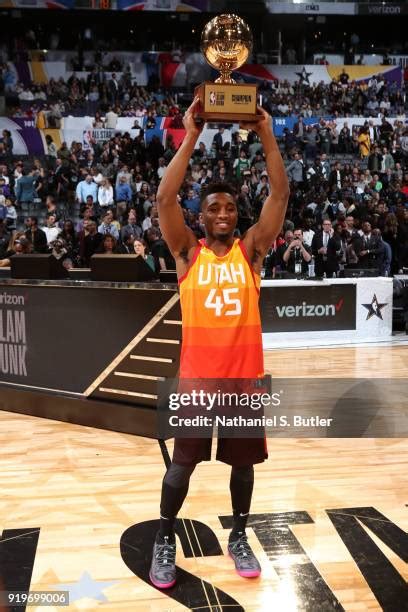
(226, 43)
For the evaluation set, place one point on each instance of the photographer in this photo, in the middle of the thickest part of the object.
(297, 255)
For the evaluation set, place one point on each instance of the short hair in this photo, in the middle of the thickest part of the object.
(217, 188)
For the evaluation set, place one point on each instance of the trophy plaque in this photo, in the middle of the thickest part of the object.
(226, 43)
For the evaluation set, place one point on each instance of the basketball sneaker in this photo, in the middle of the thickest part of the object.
(246, 563)
(163, 568)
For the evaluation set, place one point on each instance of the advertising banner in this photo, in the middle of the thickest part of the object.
(315, 308)
(383, 8)
(61, 338)
(312, 8)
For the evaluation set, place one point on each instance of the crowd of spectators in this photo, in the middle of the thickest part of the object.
(100, 90)
(342, 97)
(348, 205)
(49, 102)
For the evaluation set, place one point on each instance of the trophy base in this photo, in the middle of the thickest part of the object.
(227, 102)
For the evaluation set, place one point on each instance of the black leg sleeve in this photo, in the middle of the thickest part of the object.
(241, 487)
(174, 491)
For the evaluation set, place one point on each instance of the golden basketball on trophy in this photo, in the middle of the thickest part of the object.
(226, 43)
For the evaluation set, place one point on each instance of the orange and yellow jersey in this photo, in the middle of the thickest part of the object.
(222, 336)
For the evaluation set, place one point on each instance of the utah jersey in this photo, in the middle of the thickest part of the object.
(222, 336)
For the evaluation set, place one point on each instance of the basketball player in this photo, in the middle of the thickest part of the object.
(221, 329)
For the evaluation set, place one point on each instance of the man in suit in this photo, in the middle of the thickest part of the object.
(370, 249)
(114, 89)
(326, 248)
(335, 177)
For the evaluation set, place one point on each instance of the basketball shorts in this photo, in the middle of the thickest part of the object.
(238, 452)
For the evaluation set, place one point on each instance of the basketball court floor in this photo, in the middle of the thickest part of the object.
(78, 510)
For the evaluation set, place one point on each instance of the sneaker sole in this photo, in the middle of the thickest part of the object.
(246, 573)
(162, 585)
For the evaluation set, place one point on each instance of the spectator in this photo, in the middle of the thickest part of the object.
(192, 201)
(143, 195)
(105, 194)
(148, 222)
(108, 246)
(131, 228)
(161, 168)
(25, 187)
(311, 139)
(140, 248)
(384, 258)
(123, 173)
(345, 141)
(89, 241)
(36, 236)
(364, 142)
(86, 188)
(20, 246)
(371, 251)
(11, 216)
(111, 119)
(326, 248)
(51, 149)
(374, 160)
(241, 164)
(70, 238)
(160, 251)
(298, 255)
(61, 177)
(123, 196)
(244, 206)
(7, 143)
(218, 139)
(108, 226)
(387, 161)
(395, 236)
(296, 170)
(51, 230)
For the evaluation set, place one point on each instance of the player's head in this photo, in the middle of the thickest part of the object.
(219, 210)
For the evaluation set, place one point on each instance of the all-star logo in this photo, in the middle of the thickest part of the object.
(304, 76)
(374, 308)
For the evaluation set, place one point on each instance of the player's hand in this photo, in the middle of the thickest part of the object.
(189, 119)
(262, 126)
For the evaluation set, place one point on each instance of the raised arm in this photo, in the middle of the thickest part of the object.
(180, 238)
(261, 235)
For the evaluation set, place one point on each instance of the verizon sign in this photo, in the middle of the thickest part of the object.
(383, 8)
(303, 308)
(309, 310)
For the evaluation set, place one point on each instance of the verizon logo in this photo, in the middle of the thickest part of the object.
(310, 310)
(384, 10)
(9, 299)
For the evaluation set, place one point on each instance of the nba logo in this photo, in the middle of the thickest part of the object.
(213, 98)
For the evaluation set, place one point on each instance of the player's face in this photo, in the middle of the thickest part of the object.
(220, 215)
